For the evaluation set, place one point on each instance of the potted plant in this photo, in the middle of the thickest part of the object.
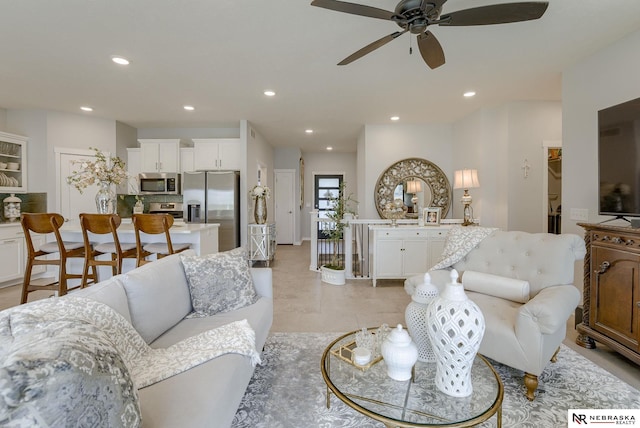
(333, 273)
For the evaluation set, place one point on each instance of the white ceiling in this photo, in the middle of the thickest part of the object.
(220, 55)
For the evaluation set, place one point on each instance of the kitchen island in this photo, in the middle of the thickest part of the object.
(203, 238)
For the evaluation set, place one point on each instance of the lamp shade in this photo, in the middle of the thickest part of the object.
(466, 179)
(413, 186)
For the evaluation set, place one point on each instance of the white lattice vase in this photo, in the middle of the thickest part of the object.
(456, 327)
(399, 353)
(416, 318)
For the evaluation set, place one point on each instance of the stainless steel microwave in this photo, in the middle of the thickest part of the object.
(159, 183)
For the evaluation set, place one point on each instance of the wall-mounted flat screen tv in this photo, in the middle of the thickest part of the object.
(619, 159)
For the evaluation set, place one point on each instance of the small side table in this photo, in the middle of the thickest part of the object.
(262, 242)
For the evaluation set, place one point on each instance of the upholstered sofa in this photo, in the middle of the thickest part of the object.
(523, 285)
(156, 300)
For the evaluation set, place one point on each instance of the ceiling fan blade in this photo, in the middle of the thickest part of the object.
(355, 9)
(495, 14)
(371, 47)
(430, 49)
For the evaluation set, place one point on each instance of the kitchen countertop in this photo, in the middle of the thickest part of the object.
(179, 227)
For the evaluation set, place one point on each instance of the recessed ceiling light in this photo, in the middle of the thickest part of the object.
(120, 60)
(329, 148)
(469, 94)
(86, 108)
(394, 118)
(269, 93)
(309, 131)
(189, 108)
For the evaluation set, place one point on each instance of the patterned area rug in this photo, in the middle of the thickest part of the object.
(288, 390)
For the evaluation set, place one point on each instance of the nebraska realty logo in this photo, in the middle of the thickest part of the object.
(582, 417)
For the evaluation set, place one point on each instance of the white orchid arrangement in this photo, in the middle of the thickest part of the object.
(111, 170)
(260, 191)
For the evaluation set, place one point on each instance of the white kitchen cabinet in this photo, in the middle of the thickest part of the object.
(160, 155)
(13, 253)
(186, 160)
(13, 163)
(404, 251)
(217, 153)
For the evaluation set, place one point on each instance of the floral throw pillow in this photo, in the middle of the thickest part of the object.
(219, 282)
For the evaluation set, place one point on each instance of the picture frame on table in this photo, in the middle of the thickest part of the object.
(431, 216)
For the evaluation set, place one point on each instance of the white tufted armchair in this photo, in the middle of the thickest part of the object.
(523, 334)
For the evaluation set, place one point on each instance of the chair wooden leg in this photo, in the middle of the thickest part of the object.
(85, 273)
(554, 357)
(62, 279)
(26, 282)
(531, 382)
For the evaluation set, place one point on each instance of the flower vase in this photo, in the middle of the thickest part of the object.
(260, 210)
(456, 327)
(416, 318)
(105, 198)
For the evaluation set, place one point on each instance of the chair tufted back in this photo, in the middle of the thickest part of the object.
(542, 259)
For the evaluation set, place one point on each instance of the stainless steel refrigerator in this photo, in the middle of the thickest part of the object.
(214, 197)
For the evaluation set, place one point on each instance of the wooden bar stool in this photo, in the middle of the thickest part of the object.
(45, 223)
(102, 224)
(154, 224)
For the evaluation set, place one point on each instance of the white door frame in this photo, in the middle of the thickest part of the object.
(546, 145)
(291, 202)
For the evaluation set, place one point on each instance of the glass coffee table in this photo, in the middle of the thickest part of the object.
(413, 403)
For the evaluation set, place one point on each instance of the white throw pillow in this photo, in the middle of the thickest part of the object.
(219, 282)
(158, 296)
(516, 290)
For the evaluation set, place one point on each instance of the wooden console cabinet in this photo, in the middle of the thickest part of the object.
(611, 295)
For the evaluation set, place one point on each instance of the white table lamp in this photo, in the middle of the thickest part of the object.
(466, 179)
(414, 187)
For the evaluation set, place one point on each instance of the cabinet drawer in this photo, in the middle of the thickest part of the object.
(401, 234)
(438, 233)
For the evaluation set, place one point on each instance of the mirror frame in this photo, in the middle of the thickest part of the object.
(411, 168)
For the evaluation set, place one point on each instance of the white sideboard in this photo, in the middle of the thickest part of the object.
(404, 251)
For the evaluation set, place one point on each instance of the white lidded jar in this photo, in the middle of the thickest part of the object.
(12, 207)
(416, 318)
(399, 353)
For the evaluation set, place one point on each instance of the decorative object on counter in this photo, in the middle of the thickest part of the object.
(12, 207)
(138, 208)
(400, 354)
(431, 216)
(366, 339)
(338, 210)
(456, 327)
(103, 171)
(260, 194)
(395, 210)
(466, 179)
(105, 198)
(416, 318)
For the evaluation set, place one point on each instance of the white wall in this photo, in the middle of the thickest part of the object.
(258, 152)
(496, 142)
(606, 78)
(386, 144)
(189, 133)
(47, 130)
(326, 163)
(3, 119)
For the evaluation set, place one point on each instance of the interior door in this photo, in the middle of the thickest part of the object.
(284, 205)
(71, 202)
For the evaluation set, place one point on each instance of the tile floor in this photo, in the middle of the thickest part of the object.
(303, 303)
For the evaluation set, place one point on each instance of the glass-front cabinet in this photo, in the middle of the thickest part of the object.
(13, 163)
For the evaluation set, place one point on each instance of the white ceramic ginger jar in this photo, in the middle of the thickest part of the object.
(456, 327)
(399, 353)
(416, 318)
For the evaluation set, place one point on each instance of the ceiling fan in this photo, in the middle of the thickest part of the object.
(415, 16)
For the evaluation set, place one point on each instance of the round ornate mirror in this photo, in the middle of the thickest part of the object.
(431, 190)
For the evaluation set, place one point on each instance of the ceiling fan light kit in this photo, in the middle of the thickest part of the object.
(414, 16)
